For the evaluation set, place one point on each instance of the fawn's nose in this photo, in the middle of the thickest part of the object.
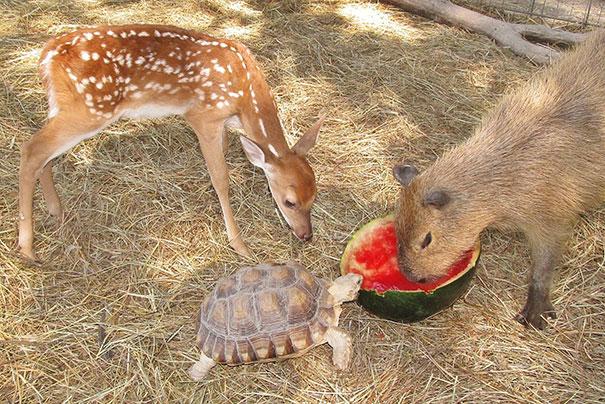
(307, 236)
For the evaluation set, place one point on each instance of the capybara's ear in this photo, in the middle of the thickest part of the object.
(436, 199)
(404, 174)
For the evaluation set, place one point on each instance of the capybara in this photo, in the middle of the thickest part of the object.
(535, 163)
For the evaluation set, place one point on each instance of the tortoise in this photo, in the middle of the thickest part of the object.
(270, 312)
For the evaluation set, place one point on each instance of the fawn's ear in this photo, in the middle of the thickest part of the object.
(308, 140)
(254, 153)
(404, 174)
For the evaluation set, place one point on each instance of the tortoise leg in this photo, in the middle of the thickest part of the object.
(200, 369)
(341, 345)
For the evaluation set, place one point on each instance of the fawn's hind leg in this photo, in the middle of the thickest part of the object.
(56, 137)
(53, 202)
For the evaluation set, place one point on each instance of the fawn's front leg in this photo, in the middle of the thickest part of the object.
(57, 136)
(210, 136)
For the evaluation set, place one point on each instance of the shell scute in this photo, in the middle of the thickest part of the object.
(217, 315)
(271, 308)
(245, 350)
(242, 315)
(300, 337)
(251, 278)
(225, 288)
(301, 306)
(280, 276)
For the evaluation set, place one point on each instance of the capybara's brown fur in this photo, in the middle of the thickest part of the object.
(534, 164)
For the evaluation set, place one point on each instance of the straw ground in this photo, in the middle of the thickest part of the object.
(109, 315)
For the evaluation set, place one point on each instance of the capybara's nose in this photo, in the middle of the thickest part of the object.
(412, 276)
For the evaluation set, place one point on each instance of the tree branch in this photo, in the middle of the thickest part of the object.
(513, 36)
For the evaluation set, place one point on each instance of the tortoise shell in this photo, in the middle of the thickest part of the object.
(264, 312)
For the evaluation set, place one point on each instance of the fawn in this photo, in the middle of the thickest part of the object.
(95, 76)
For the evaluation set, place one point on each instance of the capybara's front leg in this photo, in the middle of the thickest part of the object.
(538, 306)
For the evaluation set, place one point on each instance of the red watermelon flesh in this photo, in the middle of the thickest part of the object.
(380, 271)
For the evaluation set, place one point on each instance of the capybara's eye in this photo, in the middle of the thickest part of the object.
(427, 240)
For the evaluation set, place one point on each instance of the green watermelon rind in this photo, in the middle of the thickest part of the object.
(416, 305)
(410, 307)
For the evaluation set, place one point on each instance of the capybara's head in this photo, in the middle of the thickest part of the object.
(433, 227)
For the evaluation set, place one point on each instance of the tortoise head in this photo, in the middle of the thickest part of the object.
(345, 288)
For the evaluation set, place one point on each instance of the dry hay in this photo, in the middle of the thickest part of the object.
(109, 315)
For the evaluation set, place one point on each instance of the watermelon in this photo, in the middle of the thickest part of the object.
(385, 291)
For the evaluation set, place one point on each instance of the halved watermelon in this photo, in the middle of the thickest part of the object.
(372, 253)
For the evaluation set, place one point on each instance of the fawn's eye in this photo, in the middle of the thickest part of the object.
(289, 204)
(427, 240)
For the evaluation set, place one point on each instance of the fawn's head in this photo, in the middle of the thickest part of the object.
(291, 179)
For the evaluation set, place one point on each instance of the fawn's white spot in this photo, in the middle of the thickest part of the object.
(88, 35)
(272, 150)
(143, 33)
(84, 55)
(94, 56)
(262, 127)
